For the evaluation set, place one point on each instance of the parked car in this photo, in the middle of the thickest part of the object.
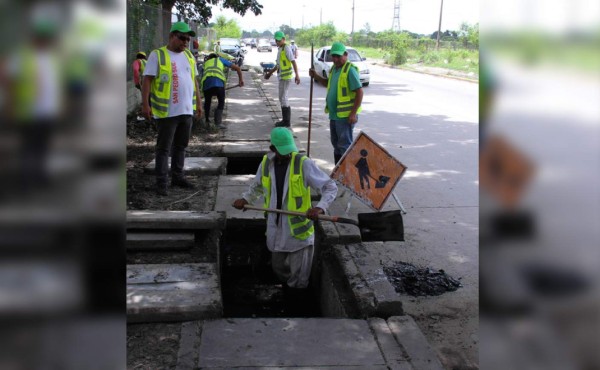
(231, 47)
(323, 62)
(264, 45)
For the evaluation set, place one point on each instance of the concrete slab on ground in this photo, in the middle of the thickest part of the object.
(197, 165)
(244, 148)
(169, 292)
(137, 241)
(231, 188)
(313, 342)
(246, 114)
(146, 219)
(407, 333)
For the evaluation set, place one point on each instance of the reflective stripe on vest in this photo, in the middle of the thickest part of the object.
(298, 195)
(285, 66)
(160, 93)
(25, 88)
(345, 96)
(142, 66)
(214, 69)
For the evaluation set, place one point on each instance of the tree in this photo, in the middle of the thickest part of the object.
(287, 31)
(366, 29)
(320, 35)
(469, 34)
(227, 28)
(200, 10)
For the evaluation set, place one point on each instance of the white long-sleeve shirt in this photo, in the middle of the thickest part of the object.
(279, 237)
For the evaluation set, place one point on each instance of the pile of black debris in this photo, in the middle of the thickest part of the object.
(420, 281)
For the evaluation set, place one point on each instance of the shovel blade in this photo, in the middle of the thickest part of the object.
(381, 226)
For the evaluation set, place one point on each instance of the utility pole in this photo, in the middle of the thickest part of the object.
(437, 43)
(352, 32)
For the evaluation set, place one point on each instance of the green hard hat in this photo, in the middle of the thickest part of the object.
(183, 28)
(283, 140)
(278, 35)
(337, 48)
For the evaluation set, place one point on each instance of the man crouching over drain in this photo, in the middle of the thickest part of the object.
(284, 178)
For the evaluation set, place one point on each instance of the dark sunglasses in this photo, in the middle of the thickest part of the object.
(183, 37)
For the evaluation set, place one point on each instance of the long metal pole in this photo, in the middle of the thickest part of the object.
(312, 66)
(437, 43)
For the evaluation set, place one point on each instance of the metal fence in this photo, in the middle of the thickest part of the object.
(148, 29)
(423, 44)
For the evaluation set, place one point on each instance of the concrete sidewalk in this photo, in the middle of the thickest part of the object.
(311, 343)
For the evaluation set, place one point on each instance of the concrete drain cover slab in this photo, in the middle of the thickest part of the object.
(169, 292)
(191, 220)
(232, 343)
(197, 165)
(138, 241)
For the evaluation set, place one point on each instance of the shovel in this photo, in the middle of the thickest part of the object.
(381, 182)
(380, 226)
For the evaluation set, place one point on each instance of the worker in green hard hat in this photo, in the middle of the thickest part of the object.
(284, 180)
(286, 61)
(344, 98)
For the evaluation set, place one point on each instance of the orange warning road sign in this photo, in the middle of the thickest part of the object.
(368, 171)
(504, 171)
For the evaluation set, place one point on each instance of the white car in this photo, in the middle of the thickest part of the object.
(323, 63)
(264, 45)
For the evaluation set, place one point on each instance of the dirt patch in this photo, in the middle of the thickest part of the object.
(141, 143)
(155, 346)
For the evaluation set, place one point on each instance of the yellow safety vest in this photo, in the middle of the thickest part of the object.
(27, 84)
(213, 69)
(160, 93)
(285, 66)
(142, 66)
(345, 96)
(298, 195)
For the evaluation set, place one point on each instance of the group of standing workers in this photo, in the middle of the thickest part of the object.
(344, 91)
(170, 95)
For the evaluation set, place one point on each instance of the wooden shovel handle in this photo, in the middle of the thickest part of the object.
(294, 213)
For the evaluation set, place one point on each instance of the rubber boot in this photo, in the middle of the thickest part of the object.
(280, 123)
(286, 113)
(219, 118)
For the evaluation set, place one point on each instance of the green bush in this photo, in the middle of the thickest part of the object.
(400, 56)
(432, 57)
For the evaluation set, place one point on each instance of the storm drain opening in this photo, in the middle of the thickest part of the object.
(420, 281)
(243, 165)
(248, 284)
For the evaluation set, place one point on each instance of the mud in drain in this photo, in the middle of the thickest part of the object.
(248, 284)
(420, 281)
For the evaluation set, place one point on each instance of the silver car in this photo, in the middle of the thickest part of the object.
(264, 45)
(323, 63)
